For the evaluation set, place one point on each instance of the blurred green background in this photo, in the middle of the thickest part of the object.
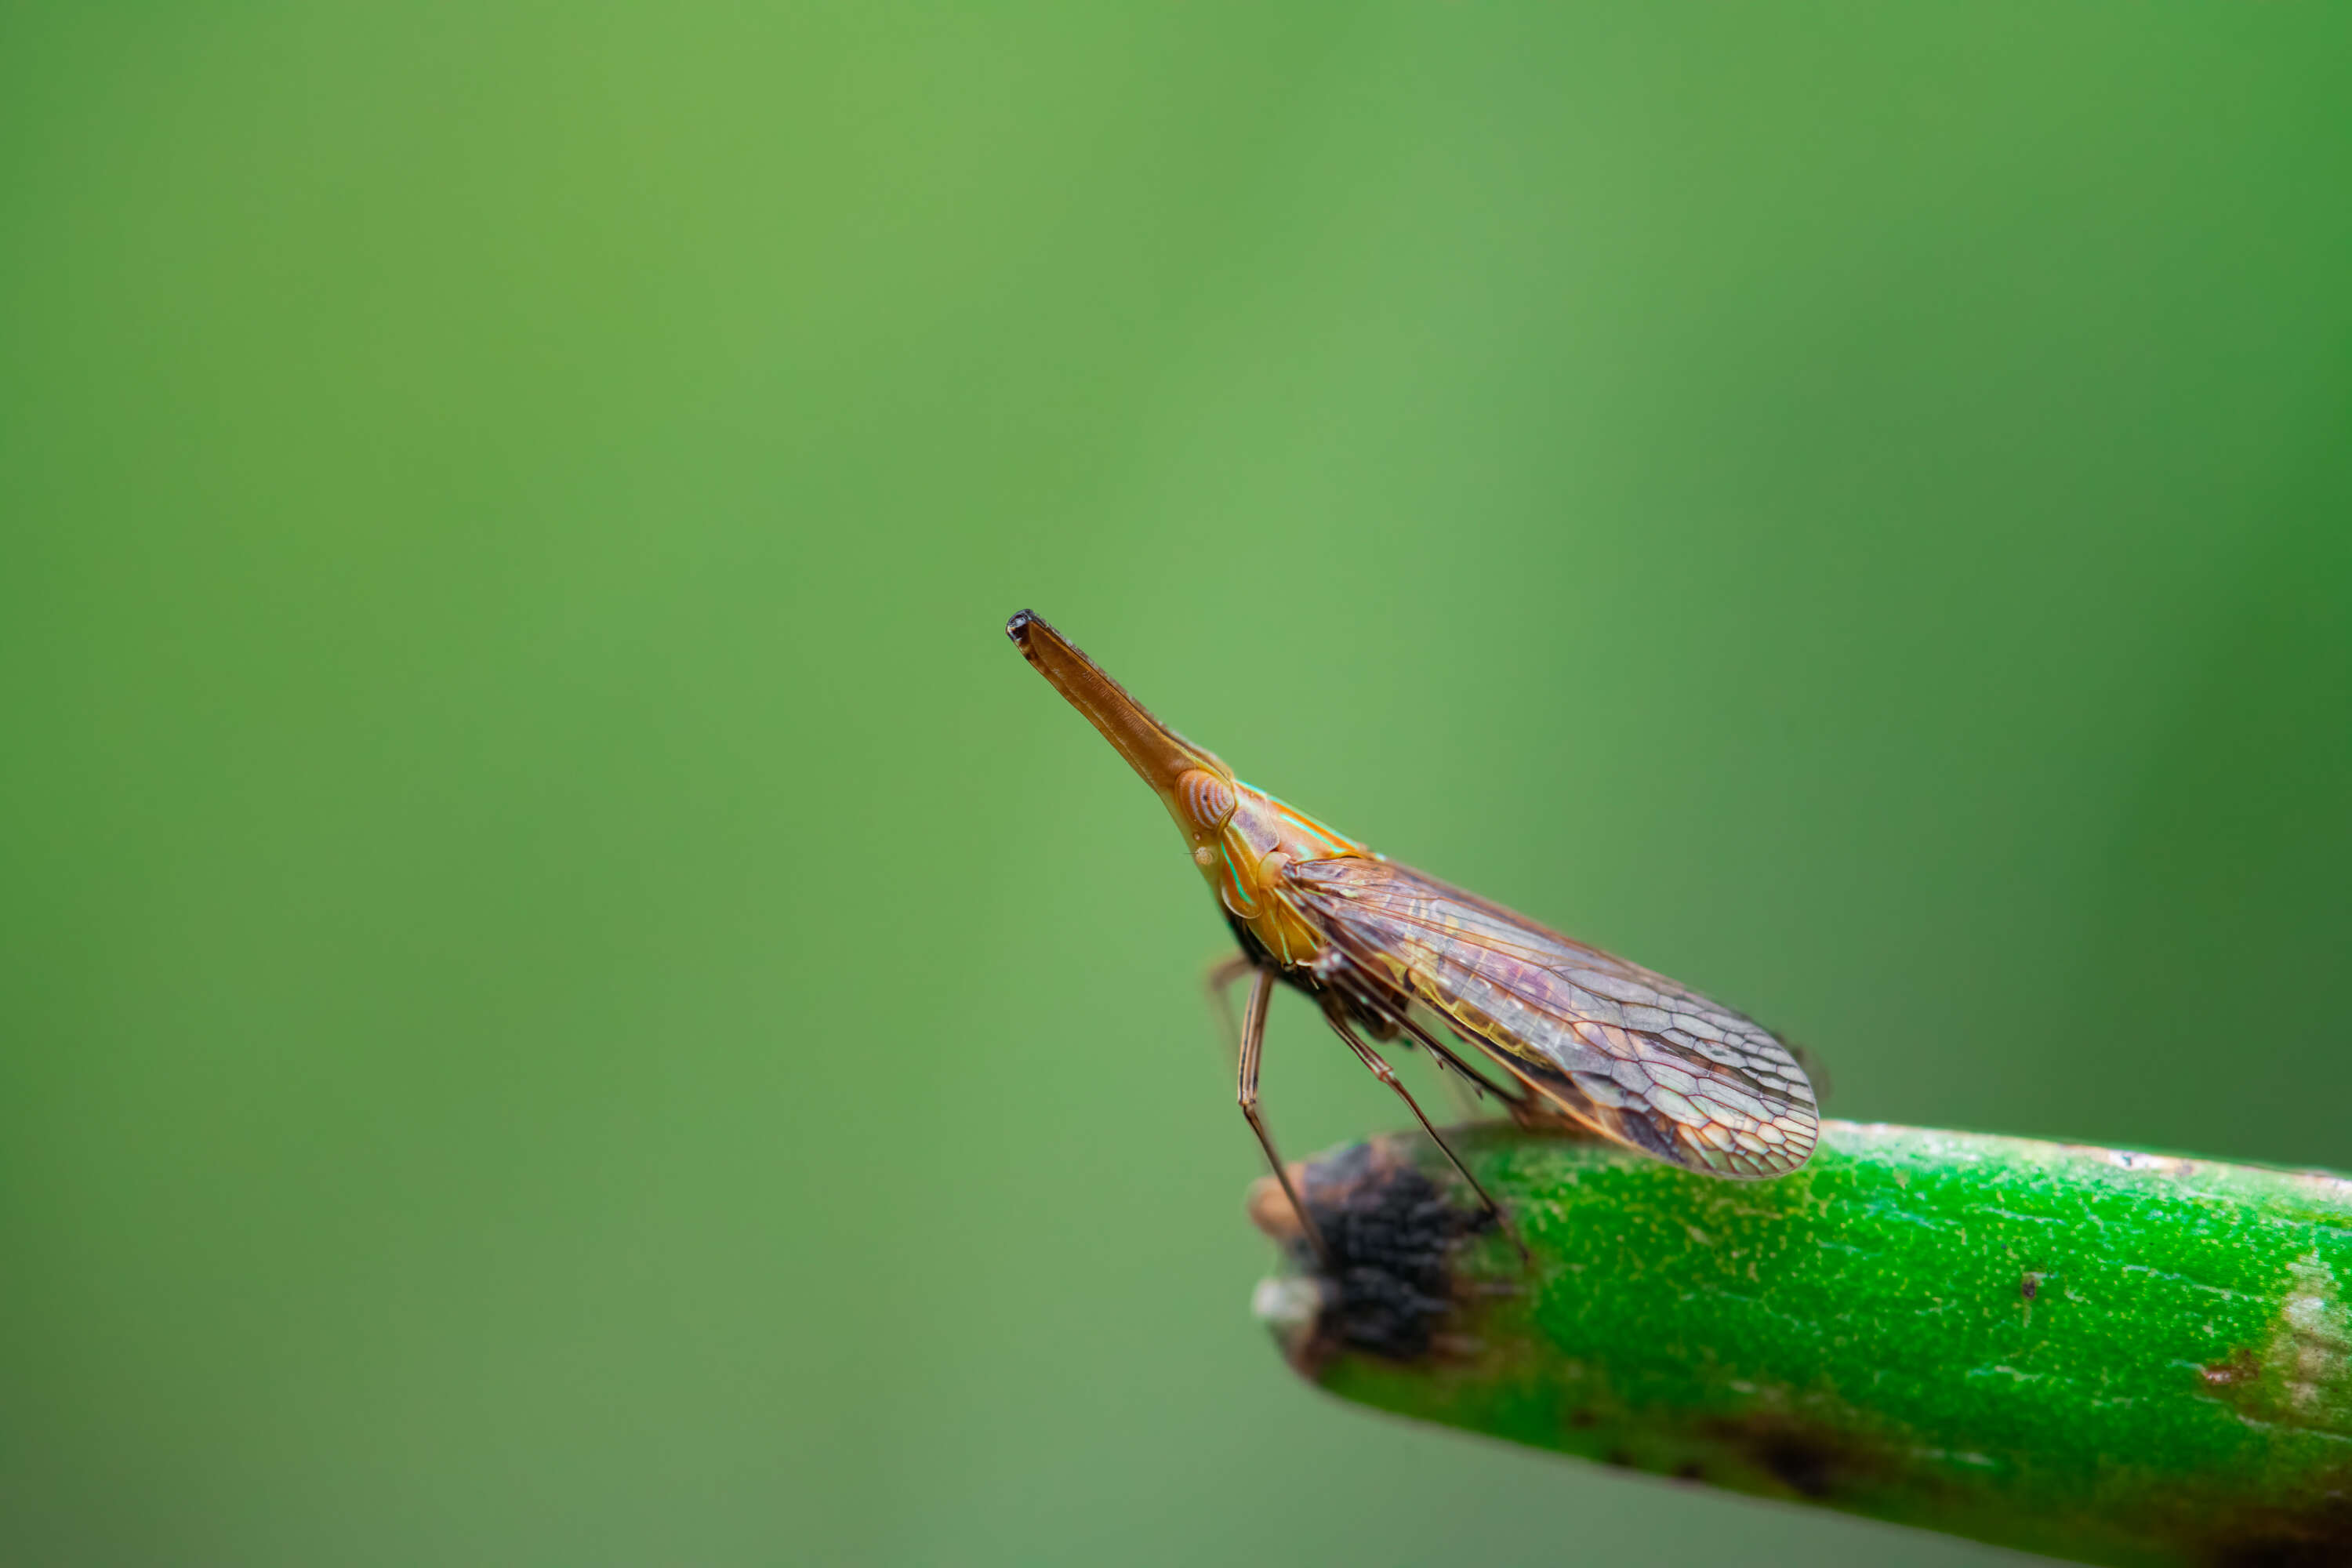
(569, 999)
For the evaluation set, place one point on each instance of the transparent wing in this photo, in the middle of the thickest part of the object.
(1631, 1054)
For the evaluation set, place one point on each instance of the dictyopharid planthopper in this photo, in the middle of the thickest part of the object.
(1550, 1027)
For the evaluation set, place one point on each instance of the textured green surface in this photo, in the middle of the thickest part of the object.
(2121, 1357)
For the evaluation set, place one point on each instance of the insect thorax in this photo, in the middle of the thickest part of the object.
(1242, 839)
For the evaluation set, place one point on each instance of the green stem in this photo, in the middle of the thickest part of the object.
(2113, 1357)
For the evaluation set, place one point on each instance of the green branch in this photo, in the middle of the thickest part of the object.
(2113, 1357)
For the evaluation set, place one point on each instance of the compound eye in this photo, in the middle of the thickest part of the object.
(1208, 799)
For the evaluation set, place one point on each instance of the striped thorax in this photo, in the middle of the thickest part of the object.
(1241, 839)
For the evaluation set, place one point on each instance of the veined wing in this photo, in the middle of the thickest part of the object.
(1631, 1054)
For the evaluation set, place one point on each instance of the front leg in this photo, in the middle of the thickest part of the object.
(1246, 1090)
(1219, 980)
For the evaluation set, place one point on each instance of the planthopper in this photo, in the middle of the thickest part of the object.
(1554, 1029)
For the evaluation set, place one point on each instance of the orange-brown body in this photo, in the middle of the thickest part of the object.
(1575, 1032)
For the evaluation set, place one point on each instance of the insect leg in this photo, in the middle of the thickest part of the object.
(1254, 1036)
(1440, 1051)
(1387, 1075)
(1465, 1087)
(1221, 974)
(1466, 1094)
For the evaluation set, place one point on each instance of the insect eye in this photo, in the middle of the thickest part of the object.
(1208, 799)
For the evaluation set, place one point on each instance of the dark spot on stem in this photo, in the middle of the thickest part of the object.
(2241, 1367)
(1803, 1464)
(2030, 1286)
(1389, 1289)
(2307, 1537)
(1821, 1463)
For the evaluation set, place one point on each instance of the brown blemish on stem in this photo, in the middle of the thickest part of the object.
(1390, 1289)
(2302, 1376)
(1818, 1463)
(2316, 1534)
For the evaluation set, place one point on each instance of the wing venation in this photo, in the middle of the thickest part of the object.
(1628, 1052)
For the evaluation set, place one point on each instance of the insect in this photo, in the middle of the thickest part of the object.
(1566, 1031)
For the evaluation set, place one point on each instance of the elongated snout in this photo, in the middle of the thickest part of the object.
(1161, 755)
